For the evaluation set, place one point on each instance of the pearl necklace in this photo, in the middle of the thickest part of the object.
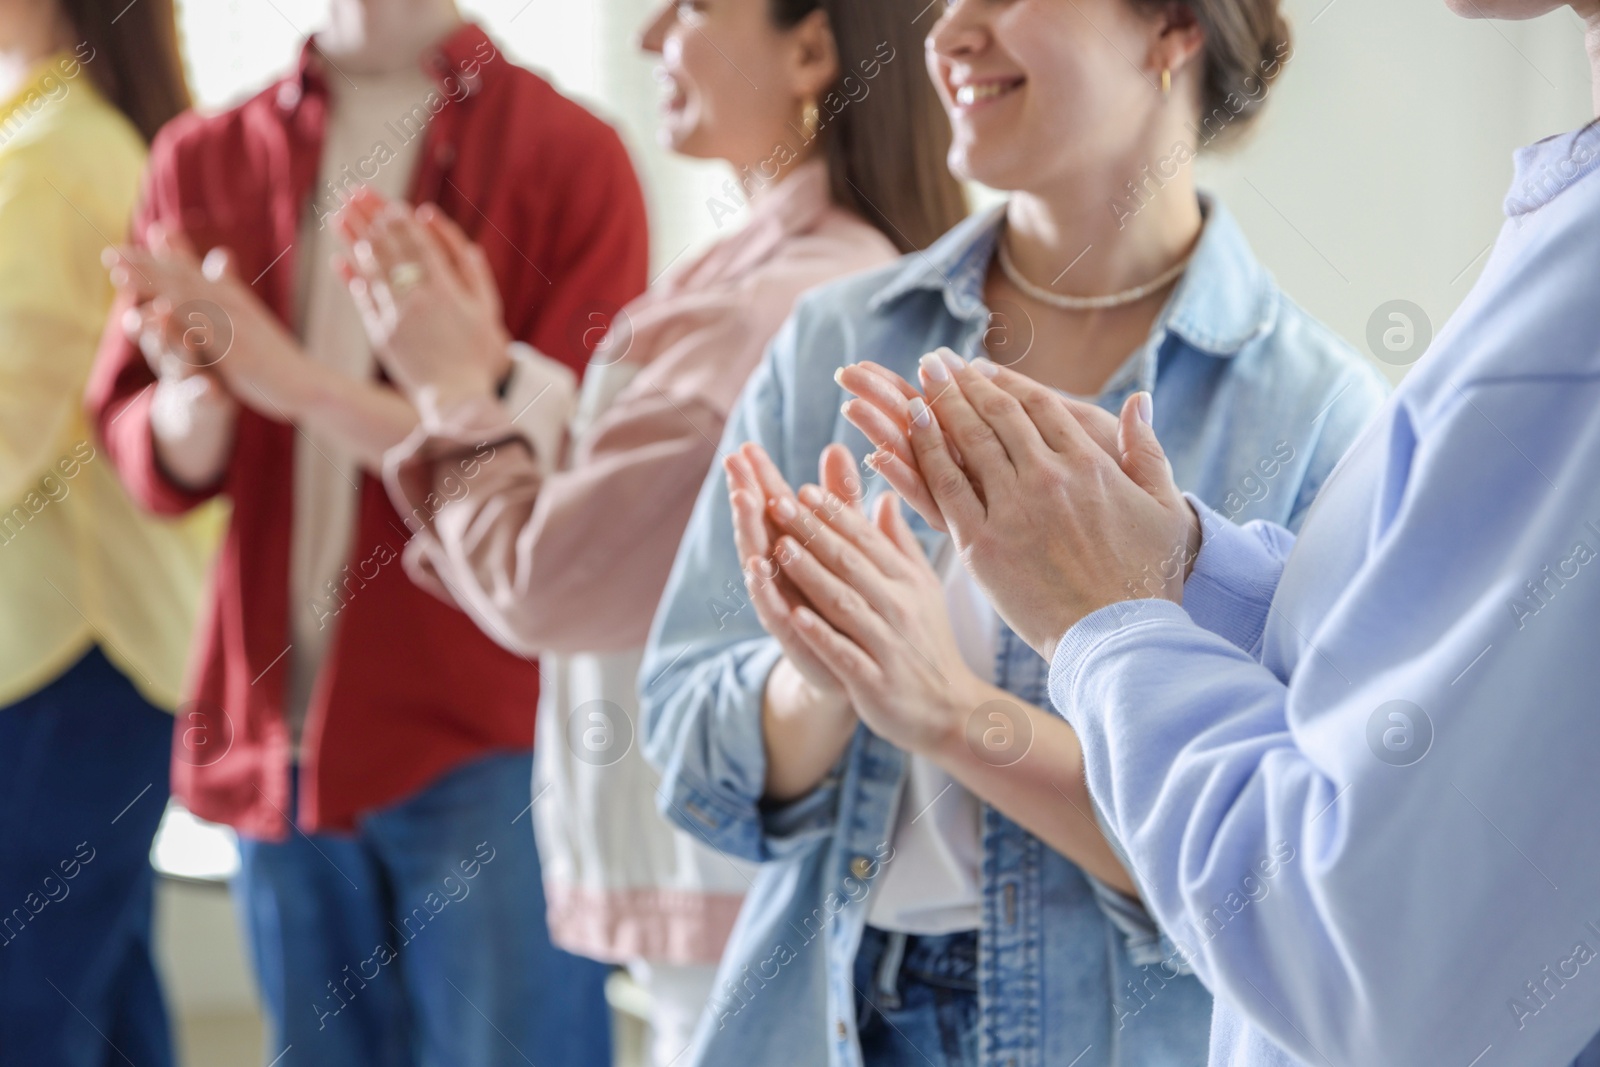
(1085, 303)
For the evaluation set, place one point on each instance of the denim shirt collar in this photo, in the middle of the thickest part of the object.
(1223, 301)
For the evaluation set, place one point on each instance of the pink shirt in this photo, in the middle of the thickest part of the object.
(575, 561)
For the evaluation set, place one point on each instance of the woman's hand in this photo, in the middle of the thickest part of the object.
(882, 413)
(200, 320)
(875, 616)
(1052, 524)
(427, 297)
(806, 718)
(757, 494)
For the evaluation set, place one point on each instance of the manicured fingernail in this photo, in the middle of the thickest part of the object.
(934, 367)
(784, 507)
(920, 415)
(810, 495)
(1146, 409)
(984, 366)
(951, 360)
(838, 375)
(844, 409)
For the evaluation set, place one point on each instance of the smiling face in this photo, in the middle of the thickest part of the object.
(731, 80)
(1037, 90)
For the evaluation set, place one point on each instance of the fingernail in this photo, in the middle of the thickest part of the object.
(920, 415)
(810, 495)
(844, 409)
(132, 322)
(951, 360)
(784, 507)
(935, 368)
(986, 367)
(838, 375)
(1146, 409)
(108, 257)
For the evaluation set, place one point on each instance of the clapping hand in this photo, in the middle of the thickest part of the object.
(427, 297)
(1054, 511)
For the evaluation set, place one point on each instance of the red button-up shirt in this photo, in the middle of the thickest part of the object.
(409, 688)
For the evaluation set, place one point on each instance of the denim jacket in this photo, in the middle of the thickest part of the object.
(1254, 401)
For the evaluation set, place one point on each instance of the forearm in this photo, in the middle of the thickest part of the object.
(804, 732)
(1044, 791)
(366, 417)
(192, 426)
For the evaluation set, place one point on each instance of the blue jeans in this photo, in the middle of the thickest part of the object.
(83, 783)
(917, 999)
(420, 941)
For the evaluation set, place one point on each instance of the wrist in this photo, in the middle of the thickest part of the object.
(959, 735)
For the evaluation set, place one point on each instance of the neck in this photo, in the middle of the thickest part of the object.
(1091, 237)
(27, 40)
(384, 36)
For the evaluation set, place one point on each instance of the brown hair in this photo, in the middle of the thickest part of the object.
(1247, 44)
(133, 57)
(883, 131)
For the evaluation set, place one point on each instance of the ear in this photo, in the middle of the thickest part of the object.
(814, 56)
(1179, 39)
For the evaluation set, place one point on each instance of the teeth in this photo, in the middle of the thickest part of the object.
(968, 95)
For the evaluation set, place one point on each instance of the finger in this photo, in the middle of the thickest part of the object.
(761, 533)
(415, 244)
(982, 454)
(837, 600)
(878, 386)
(836, 473)
(169, 243)
(883, 431)
(1003, 412)
(853, 667)
(774, 487)
(889, 517)
(908, 483)
(853, 526)
(468, 256)
(1044, 406)
(1143, 458)
(949, 485)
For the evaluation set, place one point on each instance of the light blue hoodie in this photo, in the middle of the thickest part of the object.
(1405, 700)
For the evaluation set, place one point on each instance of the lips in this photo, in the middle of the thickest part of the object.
(975, 93)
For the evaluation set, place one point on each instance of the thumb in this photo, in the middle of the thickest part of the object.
(1143, 458)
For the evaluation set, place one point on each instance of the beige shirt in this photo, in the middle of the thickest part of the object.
(374, 137)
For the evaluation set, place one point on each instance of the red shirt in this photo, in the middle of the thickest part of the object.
(410, 688)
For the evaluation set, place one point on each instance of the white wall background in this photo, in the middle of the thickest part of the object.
(1377, 173)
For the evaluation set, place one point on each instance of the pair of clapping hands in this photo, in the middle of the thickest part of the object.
(1057, 507)
(426, 295)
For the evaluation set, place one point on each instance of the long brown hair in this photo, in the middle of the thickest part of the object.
(132, 55)
(884, 132)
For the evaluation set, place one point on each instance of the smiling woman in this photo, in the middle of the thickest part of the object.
(867, 700)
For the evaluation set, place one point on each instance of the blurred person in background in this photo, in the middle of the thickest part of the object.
(97, 600)
(839, 167)
(936, 888)
(370, 745)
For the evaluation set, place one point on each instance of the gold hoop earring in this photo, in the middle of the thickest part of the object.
(811, 118)
(1166, 81)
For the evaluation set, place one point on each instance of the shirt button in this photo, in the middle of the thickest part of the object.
(839, 1024)
(288, 95)
(861, 867)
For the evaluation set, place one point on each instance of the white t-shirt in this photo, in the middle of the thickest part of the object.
(932, 885)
